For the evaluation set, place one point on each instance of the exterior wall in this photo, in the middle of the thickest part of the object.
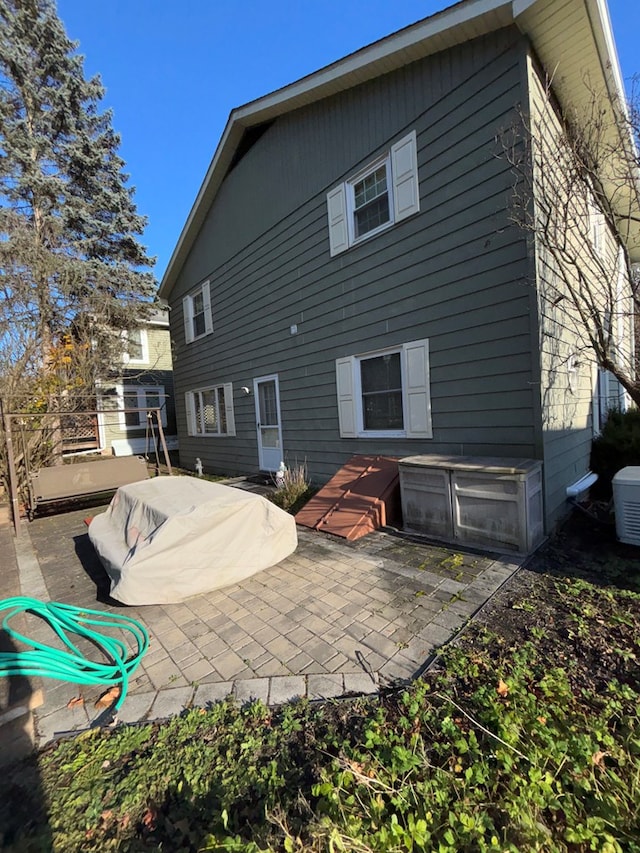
(154, 370)
(454, 273)
(159, 349)
(569, 373)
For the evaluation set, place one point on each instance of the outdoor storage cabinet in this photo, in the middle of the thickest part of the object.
(473, 500)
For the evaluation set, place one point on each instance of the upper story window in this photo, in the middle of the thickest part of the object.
(384, 192)
(136, 346)
(371, 208)
(197, 313)
(385, 394)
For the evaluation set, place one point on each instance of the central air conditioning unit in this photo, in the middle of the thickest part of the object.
(626, 501)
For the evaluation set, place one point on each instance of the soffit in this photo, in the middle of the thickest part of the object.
(573, 41)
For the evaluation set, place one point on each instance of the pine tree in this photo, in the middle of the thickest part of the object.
(70, 258)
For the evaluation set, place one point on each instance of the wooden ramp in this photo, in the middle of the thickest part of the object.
(363, 496)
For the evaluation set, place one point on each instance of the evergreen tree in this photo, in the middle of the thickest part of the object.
(70, 258)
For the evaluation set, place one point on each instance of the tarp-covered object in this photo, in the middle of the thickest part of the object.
(169, 538)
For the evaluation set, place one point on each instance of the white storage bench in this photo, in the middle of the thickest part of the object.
(474, 500)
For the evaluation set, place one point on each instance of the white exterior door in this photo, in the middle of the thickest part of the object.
(270, 453)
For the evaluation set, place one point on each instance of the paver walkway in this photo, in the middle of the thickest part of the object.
(333, 618)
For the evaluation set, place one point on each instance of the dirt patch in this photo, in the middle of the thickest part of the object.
(567, 597)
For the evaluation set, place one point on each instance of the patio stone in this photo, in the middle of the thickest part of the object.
(61, 722)
(285, 688)
(197, 670)
(163, 673)
(136, 706)
(229, 665)
(324, 686)
(251, 689)
(360, 682)
(209, 694)
(170, 702)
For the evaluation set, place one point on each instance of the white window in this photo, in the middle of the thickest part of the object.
(385, 394)
(384, 192)
(609, 395)
(136, 347)
(596, 229)
(141, 398)
(210, 411)
(197, 313)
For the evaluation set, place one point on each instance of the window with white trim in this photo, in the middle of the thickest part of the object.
(131, 397)
(196, 308)
(384, 192)
(210, 411)
(609, 395)
(385, 394)
(596, 229)
(136, 347)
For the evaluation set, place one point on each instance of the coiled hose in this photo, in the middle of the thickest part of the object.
(70, 664)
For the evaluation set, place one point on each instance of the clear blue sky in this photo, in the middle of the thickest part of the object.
(173, 72)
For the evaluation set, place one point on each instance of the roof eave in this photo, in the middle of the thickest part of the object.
(454, 25)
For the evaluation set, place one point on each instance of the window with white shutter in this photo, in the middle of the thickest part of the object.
(210, 411)
(385, 393)
(196, 308)
(369, 202)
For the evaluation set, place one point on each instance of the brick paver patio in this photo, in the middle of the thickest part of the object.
(333, 618)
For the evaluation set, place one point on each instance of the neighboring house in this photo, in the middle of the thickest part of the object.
(144, 379)
(348, 280)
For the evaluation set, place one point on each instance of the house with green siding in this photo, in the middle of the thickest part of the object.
(350, 281)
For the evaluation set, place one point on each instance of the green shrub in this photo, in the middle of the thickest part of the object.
(616, 447)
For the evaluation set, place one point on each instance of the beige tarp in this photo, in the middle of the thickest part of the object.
(169, 538)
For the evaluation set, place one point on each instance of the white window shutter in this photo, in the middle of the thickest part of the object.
(404, 170)
(228, 405)
(337, 214)
(206, 299)
(415, 391)
(190, 410)
(187, 310)
(346, 398)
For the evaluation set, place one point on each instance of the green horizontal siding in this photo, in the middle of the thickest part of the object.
(455, 273)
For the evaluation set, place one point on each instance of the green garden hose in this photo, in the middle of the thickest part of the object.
(70, 664)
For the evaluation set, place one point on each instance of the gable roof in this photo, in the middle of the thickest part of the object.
(572, 38)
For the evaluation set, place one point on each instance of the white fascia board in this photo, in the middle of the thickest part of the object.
(603, 35)
(369, 56)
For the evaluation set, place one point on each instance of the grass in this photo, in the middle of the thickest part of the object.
(525, 738)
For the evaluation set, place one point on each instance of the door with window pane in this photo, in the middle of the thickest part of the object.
(270, 453)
